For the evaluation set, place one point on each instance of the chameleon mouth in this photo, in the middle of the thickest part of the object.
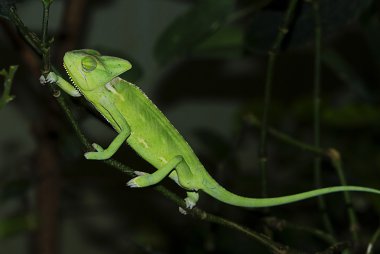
(71, 79)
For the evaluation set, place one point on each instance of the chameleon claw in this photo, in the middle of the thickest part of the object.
(42, 80)
(189, 203)
(97, 147)
(182, 211)
(131, 183)
(88, 155)
(51, 77)
(140, 173)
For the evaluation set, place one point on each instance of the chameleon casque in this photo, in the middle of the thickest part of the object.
(146, 129)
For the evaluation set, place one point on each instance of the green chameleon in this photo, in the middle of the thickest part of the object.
(146, 129)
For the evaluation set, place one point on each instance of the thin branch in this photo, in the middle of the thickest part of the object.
(282, 31)
(44, 43)
(281, 224)
(337, 163)
(252, 120)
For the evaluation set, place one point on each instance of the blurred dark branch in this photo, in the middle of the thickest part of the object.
(337, 248)
(280, 225)
(273, 52)
(71, 28)
(47, 162)
(317, 115)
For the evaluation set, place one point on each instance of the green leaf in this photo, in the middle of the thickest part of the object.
(192, 28)
(6, 97)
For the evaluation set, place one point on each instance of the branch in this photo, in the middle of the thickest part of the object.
(282, 31)
(6, 97)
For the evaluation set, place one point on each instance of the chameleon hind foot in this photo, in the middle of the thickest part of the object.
(191, 199)
(97, 147)
(133, 183)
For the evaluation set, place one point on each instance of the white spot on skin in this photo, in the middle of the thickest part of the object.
(112, 90)
(142, 118)
(163, 160)
(83, 75)
(142, 142)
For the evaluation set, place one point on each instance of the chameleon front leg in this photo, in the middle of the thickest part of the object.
(125, 131)
(63, 84)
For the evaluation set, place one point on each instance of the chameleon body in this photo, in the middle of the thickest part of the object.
(146, 129)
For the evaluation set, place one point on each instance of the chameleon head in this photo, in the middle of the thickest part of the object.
(89, 70)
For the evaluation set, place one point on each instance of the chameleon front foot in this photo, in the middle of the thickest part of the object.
(100, 153)
(51, 78)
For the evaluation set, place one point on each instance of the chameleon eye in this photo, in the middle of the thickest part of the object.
(88, 64)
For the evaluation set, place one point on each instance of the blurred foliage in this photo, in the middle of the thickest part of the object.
(207, 26)
(191, 28)
(16, 225)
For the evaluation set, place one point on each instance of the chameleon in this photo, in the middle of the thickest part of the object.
(140, 124)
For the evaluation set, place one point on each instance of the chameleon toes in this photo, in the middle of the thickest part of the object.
(189, 203)
(97, 147)
(132, 183)
(140, 173)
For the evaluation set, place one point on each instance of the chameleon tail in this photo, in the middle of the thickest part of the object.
(211, 187)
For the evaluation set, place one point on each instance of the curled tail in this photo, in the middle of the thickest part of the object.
(211, 187)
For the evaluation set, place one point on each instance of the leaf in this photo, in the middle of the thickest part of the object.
(334, 15)
(192, 28)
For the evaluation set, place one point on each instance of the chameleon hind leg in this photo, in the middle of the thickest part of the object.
(192, 196)
(178, 170)
(145, 179)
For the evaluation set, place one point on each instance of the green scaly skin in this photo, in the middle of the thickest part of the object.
(146, 129)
